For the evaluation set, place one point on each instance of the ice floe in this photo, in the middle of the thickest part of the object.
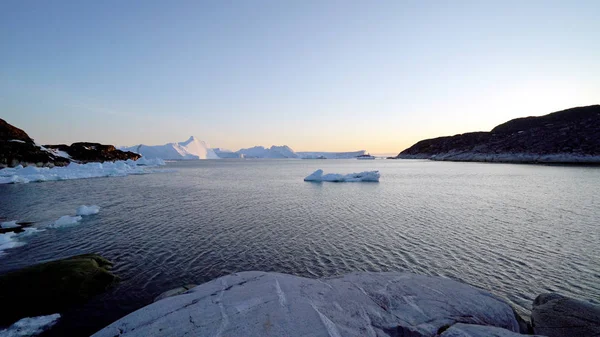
(66, 221)
(20, 174)
(9, 224)
(371, 176)
(88, 210)
(8, 241)
(30, 326)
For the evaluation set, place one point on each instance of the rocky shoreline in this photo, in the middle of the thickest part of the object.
(564, 137)
(357, 304)
(17, 148)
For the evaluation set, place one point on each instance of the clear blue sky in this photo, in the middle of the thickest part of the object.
(315, 75)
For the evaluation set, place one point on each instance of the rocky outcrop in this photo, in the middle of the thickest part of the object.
(358, 304)
(93, 152)
(554, 315)
(568, 136)
(16, 147)
(52, 287)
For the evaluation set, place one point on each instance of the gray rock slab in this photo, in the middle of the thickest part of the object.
(357, 304)
(555, 315)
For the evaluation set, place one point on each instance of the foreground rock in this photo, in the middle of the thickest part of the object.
(568, 136)
(555, 315)
(359, 304)
(52, 287)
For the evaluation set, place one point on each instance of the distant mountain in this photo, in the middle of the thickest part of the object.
(190, 149)
(567, 136)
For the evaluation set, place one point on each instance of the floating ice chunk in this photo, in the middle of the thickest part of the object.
(9, 224)
(20, 174)
(371, 176)
(65, 221)
(30, 326)
(8, 241)
(88, 210)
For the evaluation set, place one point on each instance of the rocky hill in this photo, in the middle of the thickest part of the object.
(17, 148)
(567, 136)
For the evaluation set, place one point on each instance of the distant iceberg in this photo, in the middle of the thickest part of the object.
(192, 148)
(20, 174)
(368, 176)
(88, 210)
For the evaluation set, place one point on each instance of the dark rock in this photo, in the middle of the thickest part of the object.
(94, 152)
(53, 287)
(568, 136)
(16, 147)
(554, 315)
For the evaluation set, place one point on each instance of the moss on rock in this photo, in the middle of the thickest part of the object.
(52, 287)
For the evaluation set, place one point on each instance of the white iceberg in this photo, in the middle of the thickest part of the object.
(88, 210)
(192, 148)
(65, 221)
(20, 174)
(30, 326)
(369, 176)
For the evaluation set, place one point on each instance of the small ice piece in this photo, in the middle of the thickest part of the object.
(66, 220)
(88, 210)
(30, 326)
(369, 176)
(9, 224)
(8, 241)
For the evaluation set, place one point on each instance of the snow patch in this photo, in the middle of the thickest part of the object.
(30, 326)
(66, 221)
(16, 141)
(20, 174)
(369, 176)
(88, 210)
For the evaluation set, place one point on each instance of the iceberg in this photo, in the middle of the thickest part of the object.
(30, 326)
(192, 148)
(20, 174)
(88, 210)
(368, 176)
(8, 241)
(65, 221)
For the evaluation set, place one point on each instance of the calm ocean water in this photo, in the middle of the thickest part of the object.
(515, 230)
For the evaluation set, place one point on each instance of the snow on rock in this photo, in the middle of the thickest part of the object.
(358, 304)
(88, 210)
(370, 176)
(190, 149)
(30, 326)
(66, 221)
(20, 174)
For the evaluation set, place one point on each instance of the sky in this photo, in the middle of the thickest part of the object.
(314, 75)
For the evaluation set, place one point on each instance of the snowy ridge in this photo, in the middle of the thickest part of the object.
(189, 149)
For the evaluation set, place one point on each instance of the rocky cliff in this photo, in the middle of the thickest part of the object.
(567, 136)
(17, 148)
